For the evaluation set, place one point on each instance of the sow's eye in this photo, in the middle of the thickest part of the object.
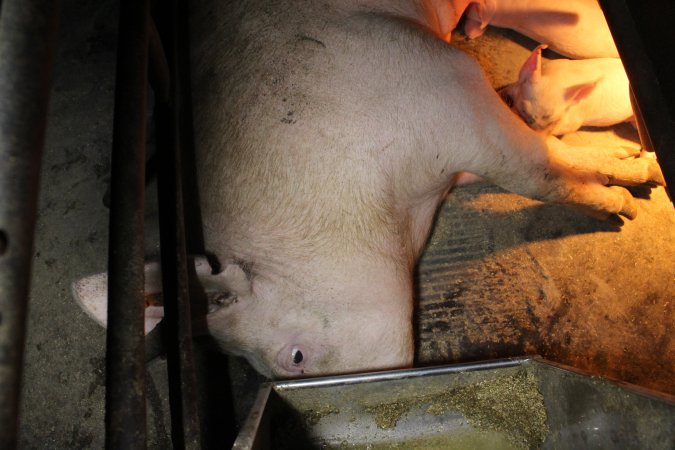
(508, 100)
(293, 359)
(505, 96)
(296, 356)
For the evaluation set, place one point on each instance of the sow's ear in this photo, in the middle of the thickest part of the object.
(233, 278)
(91, 292)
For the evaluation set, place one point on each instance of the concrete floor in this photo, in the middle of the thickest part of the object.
(502, 275)
(506, 276)
(63, 390)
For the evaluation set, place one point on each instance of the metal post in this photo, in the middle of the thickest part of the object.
(177, 321)
(642, 31)
(27, 42)
(125, 347)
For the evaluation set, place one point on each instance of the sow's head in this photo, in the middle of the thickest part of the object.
(304, 326)
(348, 321)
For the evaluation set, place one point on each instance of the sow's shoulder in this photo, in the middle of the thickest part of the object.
(271, 81)
(242, 60)
(251, 62)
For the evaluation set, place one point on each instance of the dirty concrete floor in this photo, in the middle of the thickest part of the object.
(507, 276)
(62, 400)
(63, 388)
(502, 275)
(565, 287)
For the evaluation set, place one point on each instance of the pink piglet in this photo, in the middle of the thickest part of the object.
(560, 96)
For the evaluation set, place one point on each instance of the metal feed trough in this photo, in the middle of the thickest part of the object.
(505, 404)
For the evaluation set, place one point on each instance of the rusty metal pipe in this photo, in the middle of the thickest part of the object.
(177, 321)
(28, 31)
(125, 417)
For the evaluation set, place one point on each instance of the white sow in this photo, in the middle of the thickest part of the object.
(327, 134)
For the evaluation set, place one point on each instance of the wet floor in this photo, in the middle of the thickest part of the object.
(502, 275)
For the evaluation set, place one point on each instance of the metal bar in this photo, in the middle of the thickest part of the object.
(158, 68)
(27, 44)
(125, 353)
(250, 435)
(177, 315)
(399, 374)
(640, 30)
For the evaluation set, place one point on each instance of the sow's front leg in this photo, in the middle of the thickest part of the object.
(487, 139)
(592, 179)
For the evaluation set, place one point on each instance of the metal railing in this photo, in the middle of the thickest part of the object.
(125, 415)
(139, 40)
(640, 28)
(28, 31)
(173, 119)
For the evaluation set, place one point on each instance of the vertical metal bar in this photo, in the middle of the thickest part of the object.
(177, 320)
(27, 44)
(125, 353)
(643, 134)
(642, 31)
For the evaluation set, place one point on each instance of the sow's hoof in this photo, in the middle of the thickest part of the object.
(594, 180)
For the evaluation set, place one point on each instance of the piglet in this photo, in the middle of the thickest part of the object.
(572, 28)
(562, 95)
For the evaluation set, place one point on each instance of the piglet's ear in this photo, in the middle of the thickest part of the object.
(531, 70)
(574, 94)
